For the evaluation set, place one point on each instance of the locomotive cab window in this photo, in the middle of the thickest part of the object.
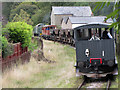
(82, 34)
(107, 33)
(94, 34)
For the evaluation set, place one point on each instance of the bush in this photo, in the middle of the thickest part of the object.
(7, 48)
(34, 44)
(20, 32)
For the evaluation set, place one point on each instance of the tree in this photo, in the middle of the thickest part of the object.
(7, 7)
(28, 8)
(23, 17)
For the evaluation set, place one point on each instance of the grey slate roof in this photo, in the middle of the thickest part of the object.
(74, 10)
(89, 19)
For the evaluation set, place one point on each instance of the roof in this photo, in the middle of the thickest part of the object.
(89, 19)
(74, 10)
(65, 19)
(93, 25)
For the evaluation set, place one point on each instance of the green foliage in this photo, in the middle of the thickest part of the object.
(7, 7)
(41, 16)
(20, 32)
(37, 18)
(33, 45)
(7, 48)
(5, 32)
(4, 41)
(113, 14)
(17, 18)
(30, 9)
(103, 8)
(22, 17)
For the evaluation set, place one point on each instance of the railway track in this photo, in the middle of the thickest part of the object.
(84, 82)
(108, 84)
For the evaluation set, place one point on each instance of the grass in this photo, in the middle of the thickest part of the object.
(33, 45)
(116, 83)
(60, 74)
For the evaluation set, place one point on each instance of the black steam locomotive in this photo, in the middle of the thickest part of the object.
(95, 50)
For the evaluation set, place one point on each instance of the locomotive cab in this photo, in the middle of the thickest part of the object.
(38, 29)
(95, 50)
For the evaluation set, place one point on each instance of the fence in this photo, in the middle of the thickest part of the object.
(20, 54)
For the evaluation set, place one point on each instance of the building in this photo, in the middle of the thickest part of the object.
(72, 22)
(59, 12)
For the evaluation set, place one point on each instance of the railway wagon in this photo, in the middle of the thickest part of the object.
(95, 50)
(46, 31)
(63, 35)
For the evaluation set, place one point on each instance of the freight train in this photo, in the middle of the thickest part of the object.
(95, 47)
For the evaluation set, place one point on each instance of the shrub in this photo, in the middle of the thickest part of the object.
(34, 44)
(7, 48)
(20, 32)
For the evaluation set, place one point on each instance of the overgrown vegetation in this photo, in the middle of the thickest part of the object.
(60, 74)
(33, 45)
(19, 32)
(22, 17)
(7, 48)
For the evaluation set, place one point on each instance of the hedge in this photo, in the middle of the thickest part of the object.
(20, 32)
